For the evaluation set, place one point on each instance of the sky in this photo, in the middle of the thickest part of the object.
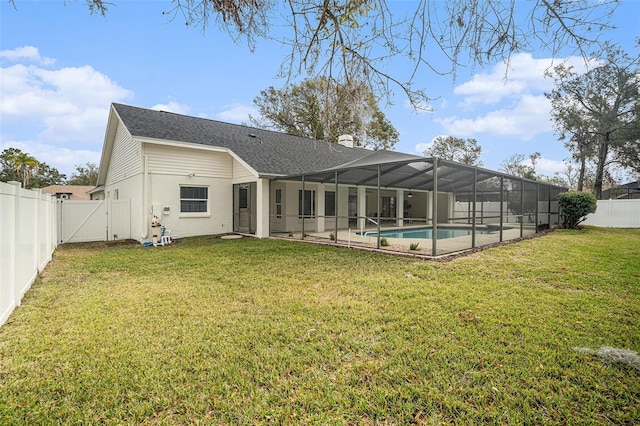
(61, 68)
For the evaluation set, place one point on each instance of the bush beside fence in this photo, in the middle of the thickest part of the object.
(28, 237)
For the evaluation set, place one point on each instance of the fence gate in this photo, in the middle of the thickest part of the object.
(93, 220)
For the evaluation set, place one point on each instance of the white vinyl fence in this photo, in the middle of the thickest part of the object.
(28, 237)
(616, 214)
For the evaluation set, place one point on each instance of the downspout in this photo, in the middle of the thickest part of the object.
(145, 197)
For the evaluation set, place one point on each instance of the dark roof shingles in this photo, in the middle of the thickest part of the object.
(268, 152)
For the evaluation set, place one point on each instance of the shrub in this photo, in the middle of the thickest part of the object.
(414, 246)
(332, 236)
(384, 242)
(574, 207)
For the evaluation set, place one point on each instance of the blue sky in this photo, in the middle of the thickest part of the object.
(62, 67)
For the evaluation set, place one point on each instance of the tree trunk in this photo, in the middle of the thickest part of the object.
(603, 150)
(583, 165)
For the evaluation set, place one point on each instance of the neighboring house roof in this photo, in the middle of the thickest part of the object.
(627, 190)
(74, 192)
(269, 153)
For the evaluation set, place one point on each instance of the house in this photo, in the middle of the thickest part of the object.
(626, 191)
(201, 177)
(69, 192)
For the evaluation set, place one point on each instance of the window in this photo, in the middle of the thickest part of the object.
(194, 199)
(278, 203)
(330, 203)
(243, 197)
(309, 207)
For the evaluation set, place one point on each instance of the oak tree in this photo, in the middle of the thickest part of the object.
(465, 151)
(322, 110)
(597, 113)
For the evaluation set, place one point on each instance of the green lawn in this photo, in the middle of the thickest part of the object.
(211, 331)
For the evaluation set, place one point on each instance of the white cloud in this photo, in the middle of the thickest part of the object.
(548, 167)
(62, 158)
(237, 113)
(57, 115)
(25, 53)
(420, 148)
(508, 100)
(523, 75)
(527, 118)
(173, 106)
(36, 95)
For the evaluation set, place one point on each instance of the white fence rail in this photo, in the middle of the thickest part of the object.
(28, 237)
(616, 214)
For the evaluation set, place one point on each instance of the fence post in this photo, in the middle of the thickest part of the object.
(37, 236)
(610, 208)
(15, 253)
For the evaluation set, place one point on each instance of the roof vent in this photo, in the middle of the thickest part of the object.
(346, 140)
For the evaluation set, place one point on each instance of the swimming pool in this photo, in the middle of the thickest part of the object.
(426, 232)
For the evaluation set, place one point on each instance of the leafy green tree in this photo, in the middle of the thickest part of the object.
(14, 164)
(8, 170)
(575, 206)
(322, 110)
(597, 113)
(25, 165)
(354, 40)
(84, 175)
(515, 165)
(46, 175)
(465, 151)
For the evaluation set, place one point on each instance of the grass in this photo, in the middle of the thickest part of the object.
(259, 331)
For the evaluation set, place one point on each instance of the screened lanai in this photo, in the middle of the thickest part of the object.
(395, 201)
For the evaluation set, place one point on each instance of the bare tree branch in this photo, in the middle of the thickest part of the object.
(346, 40)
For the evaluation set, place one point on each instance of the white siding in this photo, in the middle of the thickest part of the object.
(165, 192)
(242, 174)
(169, 160)
(170, 167)
(125, 157)
(131, 189)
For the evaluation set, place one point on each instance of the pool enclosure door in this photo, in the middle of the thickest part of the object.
(244, 207)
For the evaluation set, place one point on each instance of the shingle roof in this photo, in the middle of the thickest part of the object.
(78, 192)
(269, 153)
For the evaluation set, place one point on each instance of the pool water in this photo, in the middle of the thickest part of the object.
(426, 232)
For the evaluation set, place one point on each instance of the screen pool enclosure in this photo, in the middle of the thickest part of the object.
(426, 232)
(394, 201)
